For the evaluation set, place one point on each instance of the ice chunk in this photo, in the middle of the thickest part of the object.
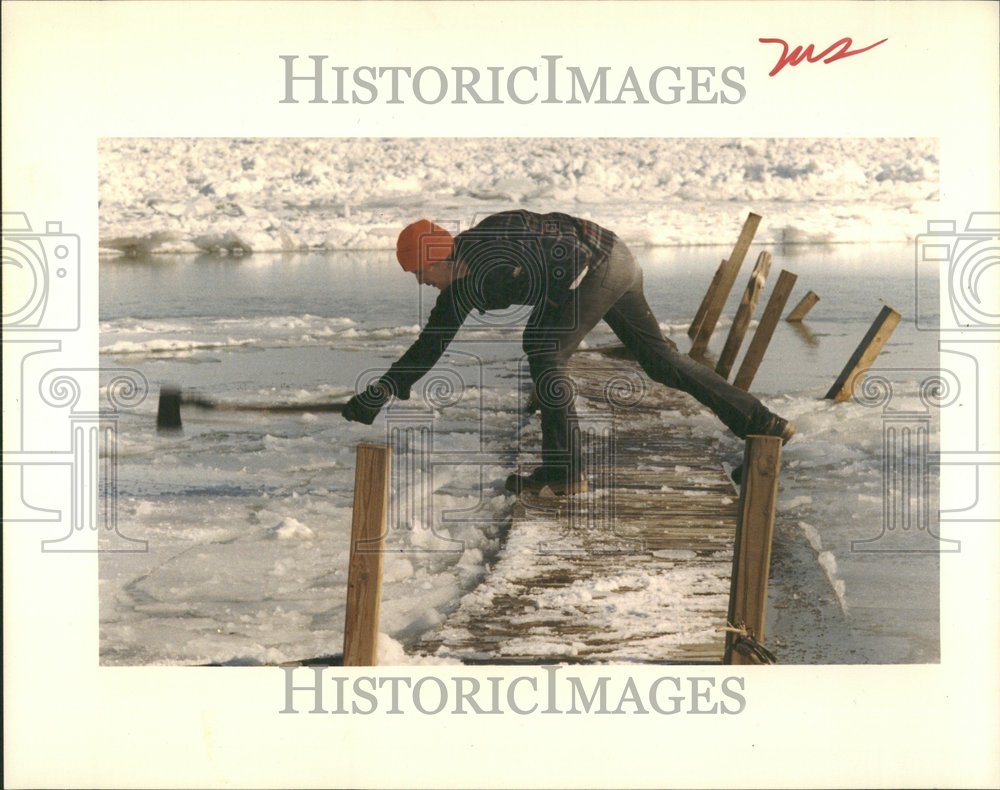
(223, 243)
(291, 529)
(135, 246)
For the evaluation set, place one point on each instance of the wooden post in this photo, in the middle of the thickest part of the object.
(718, 301)
(765, 329)
(712, 287)
(743, 315)
(364, 573)
(752, 549)
(866, 352)
(803, 307)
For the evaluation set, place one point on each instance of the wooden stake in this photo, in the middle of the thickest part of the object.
(743, 315)
(803, 307)
(866, 352)
(364, 574)
(712, 286)
(752, 549)
(765, 329)
(718, 301)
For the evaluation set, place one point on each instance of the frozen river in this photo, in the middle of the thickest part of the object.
(248, 516)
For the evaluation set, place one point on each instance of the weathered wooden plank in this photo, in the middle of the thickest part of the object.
(713, 286)
(765, 330)
(743, 315)
(665, 515)
(732, 269)
(864, 355)
(804, 306)
(752, 547)
(364, 574)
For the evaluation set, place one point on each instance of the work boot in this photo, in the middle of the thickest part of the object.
(775, 426)
(543, 478)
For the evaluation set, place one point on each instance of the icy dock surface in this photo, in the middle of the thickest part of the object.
(637, 569)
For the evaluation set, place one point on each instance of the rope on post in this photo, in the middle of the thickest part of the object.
(745, 643)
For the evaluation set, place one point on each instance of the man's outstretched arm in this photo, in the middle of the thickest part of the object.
(443, 324)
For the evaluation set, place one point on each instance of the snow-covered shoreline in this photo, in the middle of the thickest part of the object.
(234, 195)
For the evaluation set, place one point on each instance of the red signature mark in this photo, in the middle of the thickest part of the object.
(838, 50)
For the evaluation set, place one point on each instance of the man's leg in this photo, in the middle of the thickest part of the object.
(549, 340)
(633, 322)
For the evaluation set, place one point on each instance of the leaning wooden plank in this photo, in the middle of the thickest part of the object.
(732, 269)
(765, 329)
(743, 315)
(804, 306)
(699, 315)
(752, 548)
(364, 574)
(863, 356)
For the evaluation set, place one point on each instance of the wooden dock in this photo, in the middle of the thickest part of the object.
(636, 570)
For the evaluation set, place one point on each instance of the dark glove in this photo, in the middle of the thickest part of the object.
(366, 406)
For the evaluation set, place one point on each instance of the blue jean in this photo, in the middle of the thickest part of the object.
(614, 293)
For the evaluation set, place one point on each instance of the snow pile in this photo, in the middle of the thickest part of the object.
(239, 196)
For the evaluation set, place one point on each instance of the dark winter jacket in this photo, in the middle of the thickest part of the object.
(515, 257)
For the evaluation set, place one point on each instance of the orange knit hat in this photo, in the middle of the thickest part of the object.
(423, 243)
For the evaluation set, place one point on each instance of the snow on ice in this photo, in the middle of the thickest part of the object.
(238, 196)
